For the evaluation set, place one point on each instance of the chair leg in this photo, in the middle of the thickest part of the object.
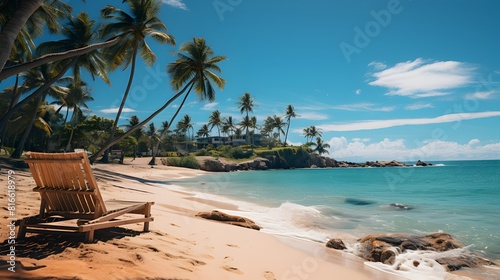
(89, 236)
(21, 233)
(147, 214)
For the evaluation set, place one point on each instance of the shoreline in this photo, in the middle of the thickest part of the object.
(179, 244)
(180, 204)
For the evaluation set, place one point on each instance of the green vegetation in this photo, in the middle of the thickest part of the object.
(99, 46)
(187, 161)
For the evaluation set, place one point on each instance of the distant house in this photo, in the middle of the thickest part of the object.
(216, 141)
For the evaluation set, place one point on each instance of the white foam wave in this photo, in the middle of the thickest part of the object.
(439, 164)
(290, 219)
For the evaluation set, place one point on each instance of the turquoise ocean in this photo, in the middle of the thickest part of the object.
(457, 197)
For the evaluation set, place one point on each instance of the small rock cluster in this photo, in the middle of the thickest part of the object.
(384, 248)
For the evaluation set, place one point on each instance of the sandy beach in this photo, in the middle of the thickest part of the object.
(179, 245)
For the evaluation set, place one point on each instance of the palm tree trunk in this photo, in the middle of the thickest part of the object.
(68, 146)
(153, 160)
(287, 128)
(16, 94)
(122, 104)
(72, 120)
(6, 118)
(20, 145)
(141, 124)
(11, 29)
(16, 69)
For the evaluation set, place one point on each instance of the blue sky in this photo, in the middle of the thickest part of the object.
(384, 80)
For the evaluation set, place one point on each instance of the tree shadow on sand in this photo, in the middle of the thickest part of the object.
(40, 246)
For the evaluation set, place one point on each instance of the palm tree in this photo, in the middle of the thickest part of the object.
(289, 114)
(246, 105)
(203, 131)
(24, 20)
(253, 126)
(152, 134)
(184, 126)
(321, 147)
(37, 78)
(164, 130)
(278, 124)
(312, 132)
(268, 126)
(79, 32)
(215, 120)
(132, 30)
(246, 123)
(76, 98)
(229, 126)
(133, 121)
(194, 69)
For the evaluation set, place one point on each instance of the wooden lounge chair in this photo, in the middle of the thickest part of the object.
(70, 198)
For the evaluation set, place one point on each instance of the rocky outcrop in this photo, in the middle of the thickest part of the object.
(229, 219)
(289, 159)
(421, 163)
(384, 248)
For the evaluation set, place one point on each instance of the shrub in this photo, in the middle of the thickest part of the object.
(238, 153)
(188, 162)
(203, 152)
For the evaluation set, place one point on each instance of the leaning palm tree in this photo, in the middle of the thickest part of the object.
(78, 32)
(321, 147)
(133, 29)
(245, 104)
(193, 69)
(289, 114)
(24, 20)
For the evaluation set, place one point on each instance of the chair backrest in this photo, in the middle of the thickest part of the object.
(66, 183)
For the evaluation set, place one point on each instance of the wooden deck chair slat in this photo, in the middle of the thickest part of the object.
(52, 201)
(70, 206)
(36, 177)
(107, 224)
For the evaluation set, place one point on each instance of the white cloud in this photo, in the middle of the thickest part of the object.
(312, 116)
(387, 149)
(377, 65)
(418, 106)
(363, 107)
(209, 106)
(418, 78)
(361, 139)
(378, 124)
(176, 4)
(482, 95)
(115, 110)
(358, 91)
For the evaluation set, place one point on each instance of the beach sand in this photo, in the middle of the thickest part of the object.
(179, 245)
